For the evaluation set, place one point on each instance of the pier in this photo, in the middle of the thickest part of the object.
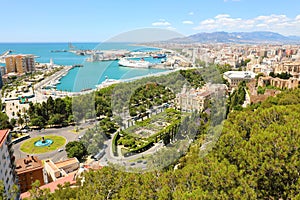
(6, 53)
(3, 55)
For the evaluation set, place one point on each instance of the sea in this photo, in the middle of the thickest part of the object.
(92, 73)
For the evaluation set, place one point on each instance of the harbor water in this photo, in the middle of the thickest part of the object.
(92, 73)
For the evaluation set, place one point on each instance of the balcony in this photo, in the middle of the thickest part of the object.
(11, 152)
(12, 159)
(10, 145)
(12, 165)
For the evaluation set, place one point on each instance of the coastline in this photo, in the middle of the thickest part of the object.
(154, 67)
(57, 93)
(63, 87)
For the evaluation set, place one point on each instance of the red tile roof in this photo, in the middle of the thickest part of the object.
(3, 136)
(53, 185)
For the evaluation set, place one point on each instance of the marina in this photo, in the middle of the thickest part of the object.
(118, 61)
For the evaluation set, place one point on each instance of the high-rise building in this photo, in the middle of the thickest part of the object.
(20, 63)
(10, 64)
(1, 82)
(7, 163)
(29, 170)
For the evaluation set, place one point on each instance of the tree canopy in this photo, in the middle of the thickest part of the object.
(76, 149)
(51, 112)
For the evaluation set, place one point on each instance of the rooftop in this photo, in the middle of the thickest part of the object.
(30, 163)
(3, 136)
(51, 165)
(19, 55)
(239, 74)
(53, 185)
(68, 162)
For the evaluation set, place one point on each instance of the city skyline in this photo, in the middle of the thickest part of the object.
(95, 21)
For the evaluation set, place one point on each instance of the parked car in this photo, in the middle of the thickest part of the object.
(24, 131)
(99, 155)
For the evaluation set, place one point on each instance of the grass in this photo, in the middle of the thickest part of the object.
(164, 117)
(28, 146)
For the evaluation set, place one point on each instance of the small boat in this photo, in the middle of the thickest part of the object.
(160, 56)
(57, 51)
(78, 65)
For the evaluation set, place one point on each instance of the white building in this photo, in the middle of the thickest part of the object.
(7, 162)
(235, 77)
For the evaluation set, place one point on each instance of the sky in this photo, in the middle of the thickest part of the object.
(99, 20)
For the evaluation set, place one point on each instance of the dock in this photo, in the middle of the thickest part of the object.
(3, 55)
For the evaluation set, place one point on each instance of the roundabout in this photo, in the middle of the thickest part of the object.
(43, 144)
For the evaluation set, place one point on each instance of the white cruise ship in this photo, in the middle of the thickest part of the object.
(134, 63)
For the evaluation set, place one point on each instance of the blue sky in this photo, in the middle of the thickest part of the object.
(98, 20)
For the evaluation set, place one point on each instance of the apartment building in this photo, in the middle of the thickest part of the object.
(20, 64)
(29, 170)
(7, 163)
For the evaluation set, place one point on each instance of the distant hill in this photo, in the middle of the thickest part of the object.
(239, 37)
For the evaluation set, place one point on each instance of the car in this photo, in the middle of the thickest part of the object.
(60, 150)
(99, 155)
(79, 137)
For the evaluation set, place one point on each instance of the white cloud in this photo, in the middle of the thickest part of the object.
(161, 22)
(191, 13)
(272, 18)
(261, 25)
(171, 28)
(222, 16)
(187, 22)
(207, 22)
(277, 23)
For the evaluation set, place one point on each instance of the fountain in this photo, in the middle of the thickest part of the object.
(43, 142)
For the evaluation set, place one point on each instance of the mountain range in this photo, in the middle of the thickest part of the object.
(239, 37)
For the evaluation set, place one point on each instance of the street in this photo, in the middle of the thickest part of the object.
(54, 155)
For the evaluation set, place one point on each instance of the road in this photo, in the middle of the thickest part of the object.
(54, 155)
(134, 161)
(127, 161)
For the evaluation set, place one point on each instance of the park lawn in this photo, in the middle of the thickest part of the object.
(28, 146)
